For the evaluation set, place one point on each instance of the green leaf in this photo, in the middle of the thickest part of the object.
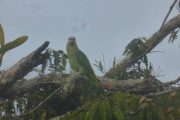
(108, 109)
(92, 111)
(102, 110)
(1, 36)
(13, 44)
(117, 113)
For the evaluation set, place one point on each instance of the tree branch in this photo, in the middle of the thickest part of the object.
(26, 86)
(151, 43)
(71, 86)
(23, 67)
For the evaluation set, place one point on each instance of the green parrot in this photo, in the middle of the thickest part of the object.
(80, 63)
(78, 60)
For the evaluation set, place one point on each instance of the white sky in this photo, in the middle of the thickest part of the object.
(100, 26)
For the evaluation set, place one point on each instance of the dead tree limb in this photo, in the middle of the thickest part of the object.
(162, 92)
(172, 82)
(130, 85)
(23, 67)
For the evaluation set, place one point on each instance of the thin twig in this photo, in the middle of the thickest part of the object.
(170, 10)
(42, 102)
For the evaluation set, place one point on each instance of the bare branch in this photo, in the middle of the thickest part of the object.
(162, 92)
(172, 82)
(112, 84)
(23, 67)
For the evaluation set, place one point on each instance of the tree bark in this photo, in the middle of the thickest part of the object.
(22, 68)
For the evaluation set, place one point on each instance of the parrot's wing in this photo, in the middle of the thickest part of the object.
(84, 63)
(92, 86)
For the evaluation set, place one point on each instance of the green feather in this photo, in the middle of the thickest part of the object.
(80, 63)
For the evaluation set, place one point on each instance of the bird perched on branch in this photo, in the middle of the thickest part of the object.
(78, 60)
(80, 63)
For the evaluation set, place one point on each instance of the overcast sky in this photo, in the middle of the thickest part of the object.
(100, 26)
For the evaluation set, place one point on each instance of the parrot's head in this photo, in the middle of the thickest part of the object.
(71, 42)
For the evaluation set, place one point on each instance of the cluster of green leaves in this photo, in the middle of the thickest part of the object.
(10, 45)
(57, 62)
(137, 71)
(135, 48)
(100, 65)
(173, 35)
(112, 107)
(117, 106)
(141, 68)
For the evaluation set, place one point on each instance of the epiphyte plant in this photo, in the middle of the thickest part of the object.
(10, 45)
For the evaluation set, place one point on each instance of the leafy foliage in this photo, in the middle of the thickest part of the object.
(173, 36)
(103, 108)
(142, 68)
(135, 48)
(118, 106)
(56, 64)
(57, 61)
(99, 66)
